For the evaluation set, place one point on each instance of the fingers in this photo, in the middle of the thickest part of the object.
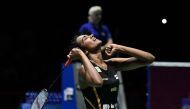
(108, 49)
(73, 53)
(108, 54)
(68, 56)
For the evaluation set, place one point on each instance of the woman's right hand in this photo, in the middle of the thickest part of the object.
(75, 53)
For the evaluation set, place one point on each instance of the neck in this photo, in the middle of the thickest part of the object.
(96, 57)
(95, 23)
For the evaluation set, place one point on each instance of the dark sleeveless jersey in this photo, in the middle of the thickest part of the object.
(104, 97)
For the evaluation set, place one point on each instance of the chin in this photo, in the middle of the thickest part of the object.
(99, 43)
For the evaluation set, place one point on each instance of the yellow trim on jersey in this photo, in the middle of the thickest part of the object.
(89, 102)
(97, 97)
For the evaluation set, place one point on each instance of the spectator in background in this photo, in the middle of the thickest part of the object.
(95, 26)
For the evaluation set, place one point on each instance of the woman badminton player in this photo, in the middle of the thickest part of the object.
(99, 81)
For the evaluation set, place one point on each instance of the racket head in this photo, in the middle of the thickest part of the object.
(40, 100)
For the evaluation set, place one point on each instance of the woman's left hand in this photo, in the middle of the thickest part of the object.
(111, 49)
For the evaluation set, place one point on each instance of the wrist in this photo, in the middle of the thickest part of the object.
(82, 54)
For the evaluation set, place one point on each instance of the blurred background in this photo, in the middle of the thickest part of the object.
(35, 37)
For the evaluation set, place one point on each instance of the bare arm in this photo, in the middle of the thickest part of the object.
(139, 58)
(89, 73)
(87, 70)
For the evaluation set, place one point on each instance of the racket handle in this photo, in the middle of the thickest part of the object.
(67, 62)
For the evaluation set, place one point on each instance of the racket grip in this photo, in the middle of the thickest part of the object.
(67, 62)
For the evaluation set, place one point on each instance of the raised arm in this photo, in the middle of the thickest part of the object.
(138, 57)
(87, 70)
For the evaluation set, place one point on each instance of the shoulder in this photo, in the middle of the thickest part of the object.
(85, 25)
(117, 61)
(110, 61)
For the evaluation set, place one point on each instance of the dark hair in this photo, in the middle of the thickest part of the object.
(74, 43)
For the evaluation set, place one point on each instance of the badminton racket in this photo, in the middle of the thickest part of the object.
(42, 97)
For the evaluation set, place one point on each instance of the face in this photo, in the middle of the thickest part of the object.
(96, 17)
(89, 42)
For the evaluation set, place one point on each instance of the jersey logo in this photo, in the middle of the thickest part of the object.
(98, 69)
(104, 78)
(113, 89)
(109, 106)
(116, 76)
